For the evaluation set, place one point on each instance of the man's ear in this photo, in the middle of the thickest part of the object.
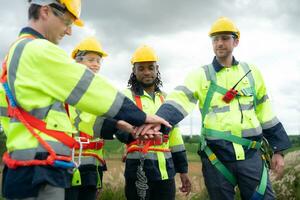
(236, 42)
(44, 12)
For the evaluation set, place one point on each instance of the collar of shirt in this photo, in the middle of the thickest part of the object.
(218, 66)
(31, 31)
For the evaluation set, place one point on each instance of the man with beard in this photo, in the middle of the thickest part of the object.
(152, 164)
(236, 117)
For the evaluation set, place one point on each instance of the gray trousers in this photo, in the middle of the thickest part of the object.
(247, 172)
(48, 192)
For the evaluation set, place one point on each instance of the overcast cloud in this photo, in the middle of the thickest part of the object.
(177, 30)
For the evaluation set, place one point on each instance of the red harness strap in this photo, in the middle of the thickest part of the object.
(92, 145)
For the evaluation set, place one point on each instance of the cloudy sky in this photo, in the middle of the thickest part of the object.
(177, 30)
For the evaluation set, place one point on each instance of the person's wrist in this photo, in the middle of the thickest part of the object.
(279, 153)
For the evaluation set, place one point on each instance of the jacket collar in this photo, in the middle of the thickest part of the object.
(31, 31)
(218, 66)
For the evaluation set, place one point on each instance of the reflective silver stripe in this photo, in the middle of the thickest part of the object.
(270, 124)
(205, 68)
(149, 155)
(14, 64)
(177, 106)
(77, 119)
(263, 99)
(59, 148)
(81, 87)
(3, 111)
(223, 109)
(29, 154)
(26, 154)
(98, 126)
(177, 148)
(41, 113)
(217, 109)
(188, 93)
(247, 106)
(116, 106)
(58, 106)
(90, 160)
(252, 132)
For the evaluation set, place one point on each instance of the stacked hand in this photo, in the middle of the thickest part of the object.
(150, 130)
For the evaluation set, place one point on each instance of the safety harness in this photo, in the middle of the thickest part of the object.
(260, 190)
(144, 146)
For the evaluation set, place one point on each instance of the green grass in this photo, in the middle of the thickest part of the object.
(114, 150)
(293, 148)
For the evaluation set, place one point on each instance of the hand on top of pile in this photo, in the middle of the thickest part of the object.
(149, 130)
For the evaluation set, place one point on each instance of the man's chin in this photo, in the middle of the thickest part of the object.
(145, 85)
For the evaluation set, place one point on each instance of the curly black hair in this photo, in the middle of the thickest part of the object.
(134, 84)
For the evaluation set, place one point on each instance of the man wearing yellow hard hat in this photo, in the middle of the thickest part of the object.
(151, 165)
(39, 78)
(239, 131)
(88, 178)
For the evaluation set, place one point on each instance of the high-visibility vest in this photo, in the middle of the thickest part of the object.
(160, 150)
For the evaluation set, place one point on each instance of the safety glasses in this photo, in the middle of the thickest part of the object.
(222, 37)
(68, 20)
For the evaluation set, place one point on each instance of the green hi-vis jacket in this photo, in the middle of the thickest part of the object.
(248, 116)
(158, 165)
(42, 77)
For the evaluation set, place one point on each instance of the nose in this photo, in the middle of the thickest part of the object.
(68, 30)
(219, 43)
(147, 72)
(95, 66)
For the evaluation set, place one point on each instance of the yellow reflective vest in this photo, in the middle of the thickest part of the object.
(158, 165)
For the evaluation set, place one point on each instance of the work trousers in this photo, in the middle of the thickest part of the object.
(162, 190)
(47, 192)
(81, 193)
(247, 172)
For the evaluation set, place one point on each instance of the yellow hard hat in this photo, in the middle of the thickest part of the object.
(224, 24)
(73, 6)
(144, 54)
(89, 44)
